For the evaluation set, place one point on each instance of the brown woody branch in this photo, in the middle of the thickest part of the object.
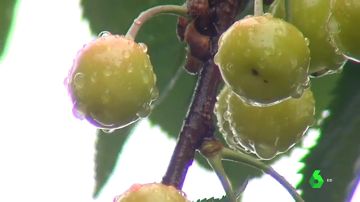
(210, 19)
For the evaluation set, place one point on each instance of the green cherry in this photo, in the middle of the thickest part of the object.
(311, 17)
(344, 27)
(264, 59)
(112, 82)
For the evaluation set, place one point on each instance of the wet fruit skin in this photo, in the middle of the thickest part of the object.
(154, 192)
(344, 27)
(264, 59)
(112, 82)
(273, 129)
(311, 17)
(220, 110)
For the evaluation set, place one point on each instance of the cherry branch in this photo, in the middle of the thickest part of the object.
(198, 125)
(211, 18)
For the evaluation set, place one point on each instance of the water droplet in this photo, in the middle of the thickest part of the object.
(307, 41)
(143, 47)
(107, 71)
(104, 34)
(279, 31)
(298, 92)
(306, 83)
(145, 111)
(265, 151)
(229, 67)
(79, 110)
(154, 93)
(146, 79)
(227, 116)
(247, 52)
(93, 77)
(126, 54)
(79, 80)
(130, 69)
(217, 58)
(338, 51)
(138, 22)
(276, 143)
(105, 97)
(108, 130)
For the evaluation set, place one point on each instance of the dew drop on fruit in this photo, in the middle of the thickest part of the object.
(105, 97)
(338, 51)
(279, 31)
(217, 58)
(93, 77)
(307, 41)
(138, 22)
(104, 34)
(306, 83)
(126, 54)
(79, 80)
(146, 79)
(144, 111)
(227, 116)
(107, 71)
(129, 69)
(79, 111)
(108, 130)
(298, 92)
(154, 94)
(143, 47)
(265, 152)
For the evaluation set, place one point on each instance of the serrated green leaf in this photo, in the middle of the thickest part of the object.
(338, 148)
(108, 148)
(7, 8)
(223, 199)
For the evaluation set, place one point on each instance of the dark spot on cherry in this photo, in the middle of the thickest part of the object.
(254, 72)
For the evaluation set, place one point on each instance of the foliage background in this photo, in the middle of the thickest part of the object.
(336, 153)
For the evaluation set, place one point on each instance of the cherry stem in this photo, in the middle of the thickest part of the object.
(244, 158)
(279, 9)
(258, 7)
(151, 12)
(216, 164)
(212, 152)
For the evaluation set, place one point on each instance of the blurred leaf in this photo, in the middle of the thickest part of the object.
(223, 199)
(167, 55)
(323, 89)
(7, 8)
(172, 110)
(108, 148)
(338, 148)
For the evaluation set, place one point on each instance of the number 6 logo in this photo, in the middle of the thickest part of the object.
(316, 181)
